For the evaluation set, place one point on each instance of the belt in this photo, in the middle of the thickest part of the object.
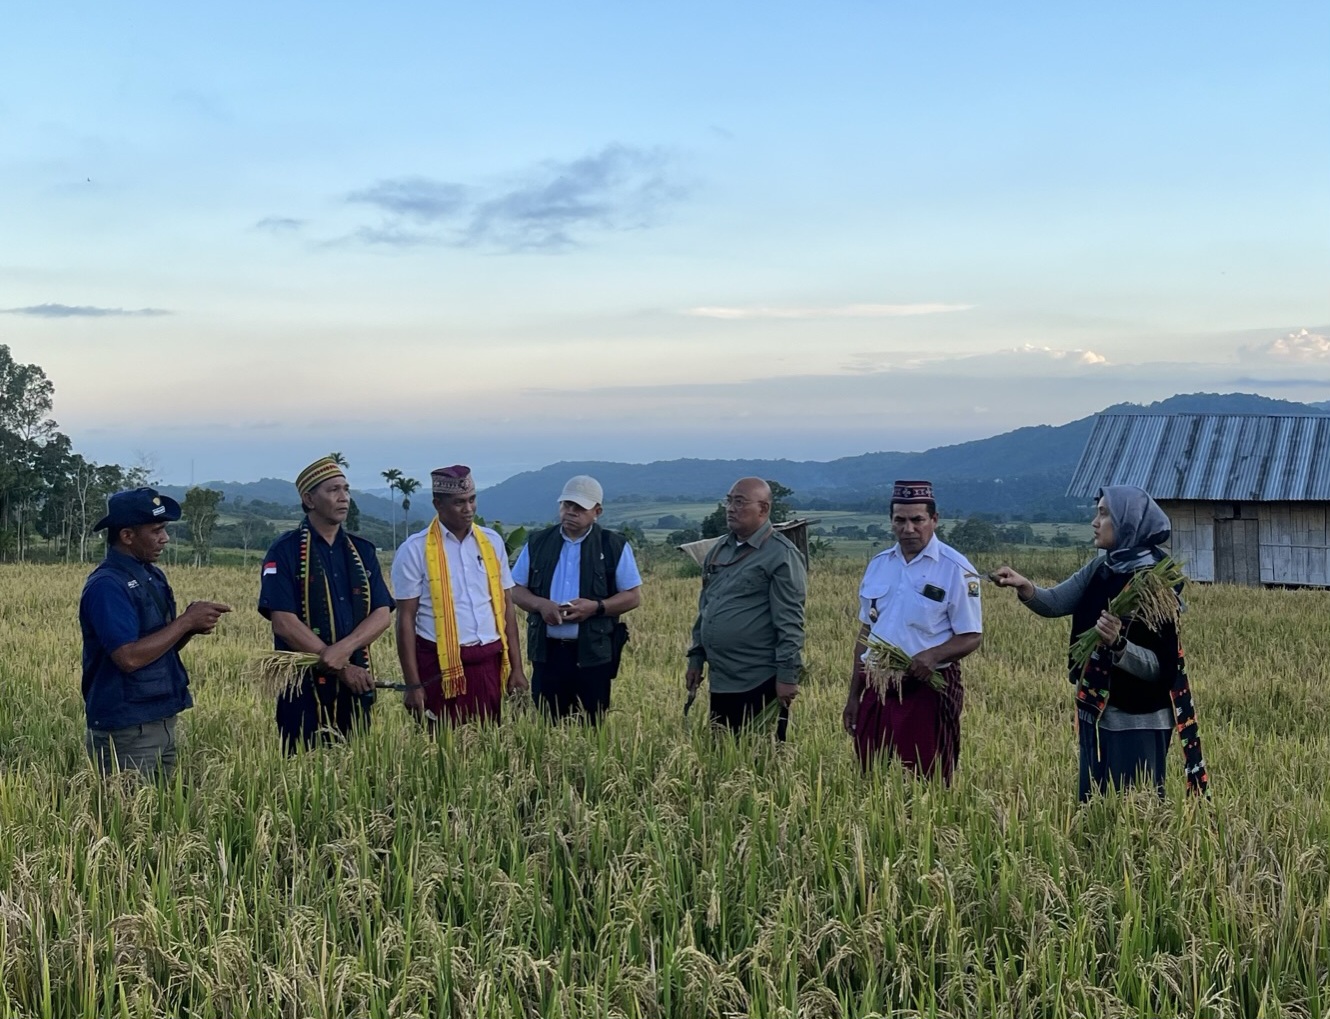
(561, 640)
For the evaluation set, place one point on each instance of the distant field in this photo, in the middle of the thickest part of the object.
(648, 513)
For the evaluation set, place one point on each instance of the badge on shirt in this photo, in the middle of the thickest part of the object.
(269, 568)
(974, 589)
(132, 584)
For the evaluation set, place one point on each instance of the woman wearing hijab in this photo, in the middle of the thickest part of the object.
(1139, 691)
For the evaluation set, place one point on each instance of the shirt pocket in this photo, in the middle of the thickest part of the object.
(928, 616)
(152, 682)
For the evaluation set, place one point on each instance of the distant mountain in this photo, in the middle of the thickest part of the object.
(283, 493)
(1024, 472)
(1019, 473)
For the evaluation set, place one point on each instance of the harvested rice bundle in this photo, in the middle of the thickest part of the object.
(282, 672)
(885, 665)
(1149, 597)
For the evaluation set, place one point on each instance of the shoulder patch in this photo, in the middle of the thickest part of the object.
(973, 588)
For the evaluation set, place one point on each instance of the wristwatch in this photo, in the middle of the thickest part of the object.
(600, 607)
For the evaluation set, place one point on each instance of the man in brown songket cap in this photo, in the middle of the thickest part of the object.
(323, 591)
(457, 634)
(923, 597)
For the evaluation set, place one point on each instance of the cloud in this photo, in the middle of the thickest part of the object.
(83, 311)
(1302, 346)
(416, 198)
(552, 207)
(1011, 362)
(1077, 356)
(840, 311)
(279, 224)
(392, 237)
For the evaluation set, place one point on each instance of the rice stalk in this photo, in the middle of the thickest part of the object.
(1149, 597)
(885, 667)
(281, 672)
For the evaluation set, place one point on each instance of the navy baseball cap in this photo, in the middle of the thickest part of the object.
(141, 506)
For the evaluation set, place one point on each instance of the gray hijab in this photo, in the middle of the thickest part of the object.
(1139, 528)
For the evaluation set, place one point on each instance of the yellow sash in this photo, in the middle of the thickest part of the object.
(446, 641)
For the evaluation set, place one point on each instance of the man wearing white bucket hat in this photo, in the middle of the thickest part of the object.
(575, 580)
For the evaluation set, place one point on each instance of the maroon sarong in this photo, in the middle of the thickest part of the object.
(921, 726)
(483, 666)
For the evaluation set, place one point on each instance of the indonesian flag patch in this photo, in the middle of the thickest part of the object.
(269, 568)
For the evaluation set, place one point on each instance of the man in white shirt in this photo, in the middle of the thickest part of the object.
(922, 596)
(575, 580)
(457, 635)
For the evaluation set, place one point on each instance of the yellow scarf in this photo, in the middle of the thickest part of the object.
(447, 642)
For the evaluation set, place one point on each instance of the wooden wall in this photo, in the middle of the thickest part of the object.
(1294, 546)
(1252, 542)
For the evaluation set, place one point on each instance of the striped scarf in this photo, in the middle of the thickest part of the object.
(316, 598)
(1092, 697)
(447, 643)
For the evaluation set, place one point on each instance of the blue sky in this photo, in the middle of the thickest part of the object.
(511, 234)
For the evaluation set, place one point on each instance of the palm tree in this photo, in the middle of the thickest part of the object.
(392, 475)
(406, 486)
(338, 459)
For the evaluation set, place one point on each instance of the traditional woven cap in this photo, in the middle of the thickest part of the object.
(583, 490)
(912, 491)
(317, 473)
(454, 480)
(140, 506)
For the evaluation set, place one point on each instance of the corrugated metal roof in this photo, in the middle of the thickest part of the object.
(1208, 457)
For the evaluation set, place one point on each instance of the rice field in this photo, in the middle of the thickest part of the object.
(649, 869)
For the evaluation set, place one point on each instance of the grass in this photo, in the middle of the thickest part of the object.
(647, 869)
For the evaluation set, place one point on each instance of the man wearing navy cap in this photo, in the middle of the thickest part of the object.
(134, 683)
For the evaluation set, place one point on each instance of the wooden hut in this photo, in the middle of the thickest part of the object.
(1248, 495)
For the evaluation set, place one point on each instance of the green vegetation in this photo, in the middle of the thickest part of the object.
(647, 870)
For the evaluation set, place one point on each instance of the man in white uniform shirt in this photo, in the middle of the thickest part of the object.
(922, 596)
(457, 635)
(575, 580)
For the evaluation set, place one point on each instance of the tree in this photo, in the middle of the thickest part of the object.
(200, 513)
(406, 486)
(392, 475)
(338, 459)
(25, 401)
(249, 527)
(974, 535)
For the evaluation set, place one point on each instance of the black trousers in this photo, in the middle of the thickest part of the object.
(735, 710)
(311, 714)
(561, 687)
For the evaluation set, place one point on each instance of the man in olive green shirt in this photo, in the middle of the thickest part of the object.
(750, 616)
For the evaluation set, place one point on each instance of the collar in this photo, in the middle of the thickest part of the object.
(470, 533)
(116, 555)
(757, 539)
(315, 531)
(575, 541)
(932, 550)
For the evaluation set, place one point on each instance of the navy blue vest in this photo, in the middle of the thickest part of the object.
(115, 699)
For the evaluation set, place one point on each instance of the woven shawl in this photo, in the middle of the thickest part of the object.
(447, 642)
